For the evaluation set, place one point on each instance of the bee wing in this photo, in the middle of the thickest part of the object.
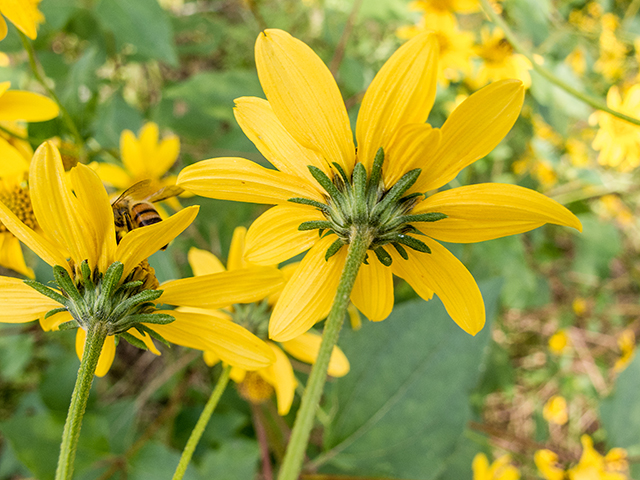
(137, 191)
(164, 193)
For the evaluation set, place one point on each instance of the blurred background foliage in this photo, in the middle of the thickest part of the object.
(423, 398)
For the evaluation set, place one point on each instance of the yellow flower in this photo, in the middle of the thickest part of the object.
(259, 385)
(579, 306)
(547, 463)
(456, 46)
(577, 61)
(304, 123)
(79, 242)
(555, 410)
(558, 342)
(614, 207)
(627, 345)
(143, 158)
(618, 141)
(445, 9)
(499, 60)
(501, 469)
(577, 151)
(24, 14)
(613, 53)
(592, 465)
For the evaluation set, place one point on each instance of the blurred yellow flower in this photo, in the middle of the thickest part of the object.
(577, 61)
(614, 207)
(618, 141)
(579, 306)
(501, 469)
(258, 386)
(547, 463)
(577, 151)
(559, 342)
(555, 410)
(613, 53)
(24, 14)
(499, 61)
(627, 345)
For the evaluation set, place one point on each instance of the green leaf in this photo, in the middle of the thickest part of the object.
(405, 403)
(142, 24)
(234, 460)
(15, 354)
(596, 247)
(155, 461)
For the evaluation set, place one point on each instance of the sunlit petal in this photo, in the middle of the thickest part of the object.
(23, 14)
(166, 155)
(410, 148)
(13, 162)
(373, 291)
(306, 347)
(304, 96)
(203, 262)
(235, 259)
(11, 255)
(131, 153)
(112, 175)
(27, 106)
(21, 303)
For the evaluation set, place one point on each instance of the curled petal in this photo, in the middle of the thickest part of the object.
(373, 291)
(274, 236)
(491, 210)
(308, 296)
(441, 272)
(306, 347)
(243, 181)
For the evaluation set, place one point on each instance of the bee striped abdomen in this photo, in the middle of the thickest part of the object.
(144, 214)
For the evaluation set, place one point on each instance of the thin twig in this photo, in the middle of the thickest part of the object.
(261, 434)
(344, 38)
(255, 11)
(585, 357)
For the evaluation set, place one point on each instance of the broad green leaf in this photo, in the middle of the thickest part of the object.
(235, 459)
(15, 354)
(143, 24)
(155, 461)
(405, 403)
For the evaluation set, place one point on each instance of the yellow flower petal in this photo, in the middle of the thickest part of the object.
(96, 211)
(131, 153)
(305, 348)
(144, 338)
(490, 210)
(373, 291)
(48, 251)
(258, 122)
(21, 303)
(235, 259)
(284, 380)
(402, 92)
(222, 289)
(473, 129)
(53, 322)
(480, 467)
(11, 256)
(242, 180)
(304, 96)
(274, 236)
(13, 163)
(210, 358)
(166, 155)
(410, 148)
(3, 28)
(232, 343)
(141, 243)
(27, 106)
(56, 207)
(24, 14)
(441, 272)
(203, 262)
(107, 354)
(112, 175)
(308, 296)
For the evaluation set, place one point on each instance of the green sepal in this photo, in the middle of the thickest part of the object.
(393, 195)
(136, 342)
(333, 249)
(413, 243)
(411, 196)
(152, 333)
(314, 224)
(324, 181)
(70, 325)
(111, 278)
(376, 170)
(146, 296)
(66, 284)
(360, 190)
(54, 311)
(127, 286)
(342, 173)
(400, 249)
(47, 292)
(86, 276)
(153, 318)
(383, 256)
(307, 201)
(424, 217)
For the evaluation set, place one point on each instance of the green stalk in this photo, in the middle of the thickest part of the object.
(198, 430)
(546, 73)
(96, 335)
(292, 463)
(36, 73)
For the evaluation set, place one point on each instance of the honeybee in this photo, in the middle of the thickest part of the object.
(134, 207)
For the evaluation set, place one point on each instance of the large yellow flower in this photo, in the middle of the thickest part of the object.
(499, 61)
(617, 140)
(100, 279)
(501, 469)
(305, 123)
(259, 385)
(24, 14)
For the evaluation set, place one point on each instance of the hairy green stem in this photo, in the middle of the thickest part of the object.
(292, 463)
(38, 76)
(546, 73)
(198, 430)
(96, 335)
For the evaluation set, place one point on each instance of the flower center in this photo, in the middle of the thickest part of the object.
(255, 388)
(366, 205)
(16, 198)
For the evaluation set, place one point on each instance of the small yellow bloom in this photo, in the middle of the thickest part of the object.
(258, 386)
(627, 345)
(559, 342)
(613, 53)
(445, 10)
(555, 410)
(24, 14)
(614, 207)
(547, 463)
(579, 306)
(501, 469)
(577, 151)
(618, 141)
(499, 61)
(79, 241)
(577, 61)
(303, 129)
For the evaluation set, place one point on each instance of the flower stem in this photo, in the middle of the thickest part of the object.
(292, 463)
(198, 430)
(96, 335)
(546, 73)
(38, 76)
